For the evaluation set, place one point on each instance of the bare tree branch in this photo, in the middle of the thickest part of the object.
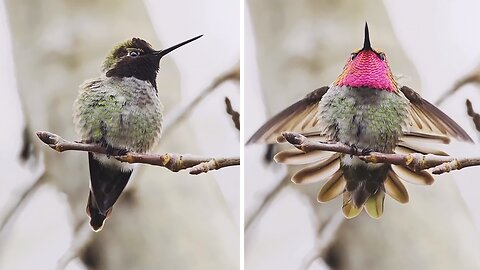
(326, 237)
(415, 161)
(475, 116)
(27, 149)
(20, 200)
(473, 77)
(234, 114)
(82, 237)
(455, 164)
(181, 112)
(267, 200)
(214, 164)
(173, 162)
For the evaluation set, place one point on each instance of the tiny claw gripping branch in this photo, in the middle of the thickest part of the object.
(415, 162)
(172, 161)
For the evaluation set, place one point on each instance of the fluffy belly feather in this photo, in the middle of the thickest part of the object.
(367, 118)
(124, 113)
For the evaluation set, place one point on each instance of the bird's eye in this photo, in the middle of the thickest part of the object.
(352, 56)
(382, 56)
(133, 53)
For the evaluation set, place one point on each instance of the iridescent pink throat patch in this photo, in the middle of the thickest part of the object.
(367, 69)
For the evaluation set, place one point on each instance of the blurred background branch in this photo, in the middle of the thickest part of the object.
(474, 115)
(20, 200)
(472, 77)
(82, 236)
(266, 200)
(180, 112)
(234, 114)
(326, 236)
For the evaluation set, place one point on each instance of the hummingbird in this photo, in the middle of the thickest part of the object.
(121, 111)
(365, 108)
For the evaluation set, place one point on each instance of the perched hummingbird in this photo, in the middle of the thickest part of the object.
(366, 108)
(121, 111)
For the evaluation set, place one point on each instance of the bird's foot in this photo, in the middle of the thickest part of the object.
(112, 151)
(353, 150)
(366, 151)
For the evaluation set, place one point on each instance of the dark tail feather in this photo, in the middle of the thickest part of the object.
(107, 183)
(362, 192)
(361, 195)
(97, 219)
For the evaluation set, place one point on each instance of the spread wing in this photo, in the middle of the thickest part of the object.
(300, 117)
(428, 122)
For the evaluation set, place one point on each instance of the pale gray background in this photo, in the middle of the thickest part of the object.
(293, 47)
(176, 221)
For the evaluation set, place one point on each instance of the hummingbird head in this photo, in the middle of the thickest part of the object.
(367, 67)
(136, 58)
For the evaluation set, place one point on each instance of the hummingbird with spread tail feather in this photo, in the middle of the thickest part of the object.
(366, 108)
(121, 111)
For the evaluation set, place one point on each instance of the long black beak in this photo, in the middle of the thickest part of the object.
(166, 51)
(366, 41)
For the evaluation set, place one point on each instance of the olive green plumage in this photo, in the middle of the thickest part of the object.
(366, 118)
(124, 112)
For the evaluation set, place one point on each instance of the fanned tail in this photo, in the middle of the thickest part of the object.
(373, 201)
(368, 193)
(368, 183)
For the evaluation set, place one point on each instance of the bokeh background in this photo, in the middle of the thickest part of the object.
(294, 47)
(164, 220)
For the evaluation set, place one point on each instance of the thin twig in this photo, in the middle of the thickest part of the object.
(214, 164)
(181, 112)
(415, 161)
(27, 149)
(267, 200)
(234, 114)
(474, 115)
(28, 156)
(455, 164)
(20, 200)
(473, 77)
(326, 236)
(173, 162)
